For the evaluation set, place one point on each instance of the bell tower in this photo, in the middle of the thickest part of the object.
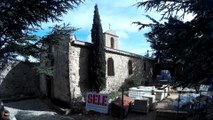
(111, 39)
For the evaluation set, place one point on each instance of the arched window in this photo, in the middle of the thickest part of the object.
(144, 66)
(130, 67)
(112, 42)
(110, 67)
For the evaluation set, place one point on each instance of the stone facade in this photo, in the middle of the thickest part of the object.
(121, 60)
(71, 71)
(78, 67)
(71, 63)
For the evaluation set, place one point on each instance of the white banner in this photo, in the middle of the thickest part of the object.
(97, 102)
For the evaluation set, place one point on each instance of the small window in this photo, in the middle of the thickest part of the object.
(130, 67)
(144, 66)
(110, 67)
(112, 42)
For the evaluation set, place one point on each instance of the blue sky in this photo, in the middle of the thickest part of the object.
(119, 14)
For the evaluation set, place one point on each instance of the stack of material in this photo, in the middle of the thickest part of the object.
(142, 95)
(166, 89)
(152, 101)
(140, 105)
(159, 95)
(147, 90)
(116, 106)
(135, 92)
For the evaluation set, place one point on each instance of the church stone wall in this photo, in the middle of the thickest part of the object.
(78, 68)
(121, 68)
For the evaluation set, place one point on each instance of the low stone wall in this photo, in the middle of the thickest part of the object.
(22, 79)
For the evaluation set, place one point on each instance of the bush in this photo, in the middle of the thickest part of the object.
(114, 95)
(133, 81)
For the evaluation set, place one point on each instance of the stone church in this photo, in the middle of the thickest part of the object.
(71, 72)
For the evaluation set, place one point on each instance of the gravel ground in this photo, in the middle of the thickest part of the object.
(33, 109)
(131, 116)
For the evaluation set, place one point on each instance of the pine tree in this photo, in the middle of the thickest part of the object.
(58, 34)
(18, 21)
(97, 58)
(186, 44)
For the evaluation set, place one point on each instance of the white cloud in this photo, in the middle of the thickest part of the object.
(122, 35)
(138, 50)
(120, 14)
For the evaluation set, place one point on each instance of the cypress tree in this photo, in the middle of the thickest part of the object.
(97, 60)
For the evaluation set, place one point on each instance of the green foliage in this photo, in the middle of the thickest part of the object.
(133, 81)
(114, 95)
(45, 70)
(58, 34)
(188, 45)
(97, 58)
(20, 18)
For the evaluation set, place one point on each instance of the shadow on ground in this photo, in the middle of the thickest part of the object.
(31, 104)
(29, 116)
(33, 109)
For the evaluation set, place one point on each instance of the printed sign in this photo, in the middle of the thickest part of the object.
(97, 102)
